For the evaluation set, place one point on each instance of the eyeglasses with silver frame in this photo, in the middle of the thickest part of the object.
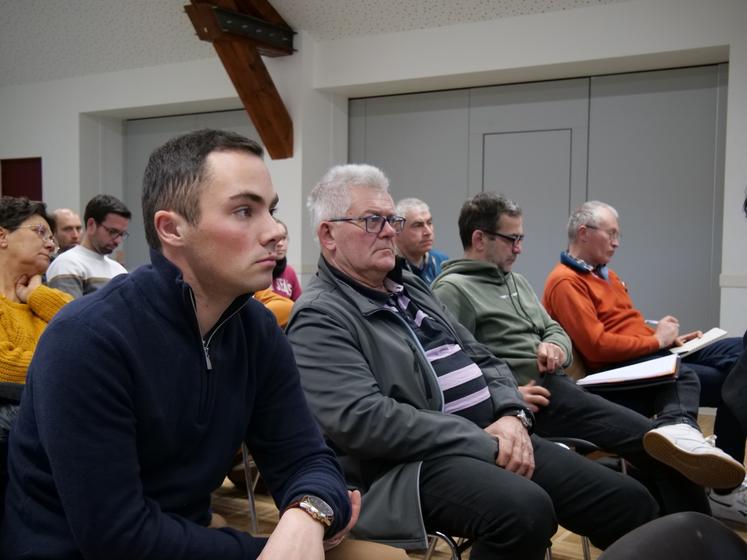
(613, 234)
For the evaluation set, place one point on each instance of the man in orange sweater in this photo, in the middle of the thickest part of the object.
(593, 306)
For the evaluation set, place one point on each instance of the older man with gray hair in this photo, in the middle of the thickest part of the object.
(415, 242)
(427, 423)
(594, 307)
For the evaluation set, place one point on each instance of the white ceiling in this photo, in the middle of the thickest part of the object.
(53, 39)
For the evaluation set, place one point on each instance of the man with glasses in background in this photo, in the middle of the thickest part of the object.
(87, 267)
(592, 304)
(427, 423)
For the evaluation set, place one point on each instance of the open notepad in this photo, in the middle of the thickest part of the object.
(657, 369)
(697, 343)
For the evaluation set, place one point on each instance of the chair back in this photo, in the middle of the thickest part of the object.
(685, 536)
(10, 398)
(577, 369)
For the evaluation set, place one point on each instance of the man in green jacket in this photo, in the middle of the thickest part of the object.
(500, 308)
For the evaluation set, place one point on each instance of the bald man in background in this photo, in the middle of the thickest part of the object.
(68, 230)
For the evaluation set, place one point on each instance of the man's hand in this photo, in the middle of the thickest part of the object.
(680, 340)
(355, 503)
(515, 452)
(535, 396)
(667, 331)
(27, 284)
(296, 537)
(550, 357)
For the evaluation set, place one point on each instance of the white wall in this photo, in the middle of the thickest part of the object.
(612, 38)
(44, 119)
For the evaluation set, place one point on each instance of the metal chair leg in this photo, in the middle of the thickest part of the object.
(432, 542)
(586, 548)
(455, 552)
(250, 483)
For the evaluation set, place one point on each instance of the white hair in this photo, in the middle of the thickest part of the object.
(588, 214)
(330, 197)
(411, 204)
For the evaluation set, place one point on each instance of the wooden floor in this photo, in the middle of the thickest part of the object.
(233, 505)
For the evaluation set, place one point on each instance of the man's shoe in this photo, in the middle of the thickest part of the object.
(731, 507)
(684, 448)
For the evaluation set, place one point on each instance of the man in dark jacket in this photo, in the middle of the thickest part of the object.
(429, 425)
(139, 395)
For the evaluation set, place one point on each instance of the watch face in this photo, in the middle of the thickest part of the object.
(319, 505)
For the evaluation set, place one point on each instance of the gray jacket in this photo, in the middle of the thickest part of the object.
(376, 396)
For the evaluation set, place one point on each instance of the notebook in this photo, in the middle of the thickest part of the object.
(697, 343)
(657, 369)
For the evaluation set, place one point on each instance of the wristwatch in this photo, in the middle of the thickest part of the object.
(317, 508)
(521, 414)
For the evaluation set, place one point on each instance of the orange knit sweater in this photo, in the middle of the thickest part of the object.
(599, 317)
(21, 325)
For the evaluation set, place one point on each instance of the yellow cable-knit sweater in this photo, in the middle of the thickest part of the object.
(21, 325)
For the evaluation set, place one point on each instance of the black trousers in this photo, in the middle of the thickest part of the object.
(734, 390)
(715, 364)
(574, 412)
(511, 517)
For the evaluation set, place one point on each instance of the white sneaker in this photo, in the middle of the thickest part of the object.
(731, 507)
(684, 448)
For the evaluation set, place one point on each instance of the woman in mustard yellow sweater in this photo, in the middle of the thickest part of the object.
(26, 306)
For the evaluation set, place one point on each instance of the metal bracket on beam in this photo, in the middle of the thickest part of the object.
(255, 29)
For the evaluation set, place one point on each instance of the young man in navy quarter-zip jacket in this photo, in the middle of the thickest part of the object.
(139, 395)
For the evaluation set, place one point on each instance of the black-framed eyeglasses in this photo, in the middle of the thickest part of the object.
(613, 234)
(375, 223)
(43, 232)
(115, 232)
(515, 239)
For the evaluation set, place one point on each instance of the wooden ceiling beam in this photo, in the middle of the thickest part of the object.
(241, 31)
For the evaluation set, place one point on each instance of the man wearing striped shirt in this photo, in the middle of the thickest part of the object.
(427, 423)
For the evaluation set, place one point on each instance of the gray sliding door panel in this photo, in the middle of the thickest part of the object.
(533, 169)
(653, 155)
(529, 142)
(145, 135)
(357, 130)
(420, 142)
(649, 143)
